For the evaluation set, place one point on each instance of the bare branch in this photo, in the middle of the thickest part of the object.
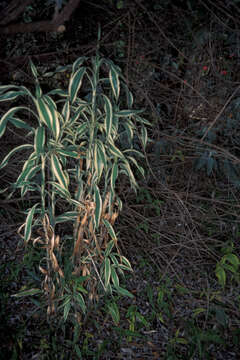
(56, 24)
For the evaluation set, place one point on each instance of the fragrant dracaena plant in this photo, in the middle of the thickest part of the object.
(77, 156)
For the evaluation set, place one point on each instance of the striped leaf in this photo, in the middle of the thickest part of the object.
(82, 130)
(114, 150)
(140, 168)
(126, 262)
(18, 148)
(34, 69)
(38, 91)
(55, 126)
(128, 171)
(107, 271)
(109, 248)
(114, 276)
(124, 292)
(44, 112)
(61, 191)
(109, 115)
(127, 113)
(27, 167)
(8, 116)
(75, 84)
(3, 88)
(72, 154)
(115, 83)
(28, 223)
(11, 95)
(144, 136)
(98, 202)
(114, 312)
(67, 216)
(20, 124)
(81, 302)
(66, 111)
(58, 172)
(110, 229)
(98, 163)
(39, 140)
(78, 63)
(102, 153)
(114, 175)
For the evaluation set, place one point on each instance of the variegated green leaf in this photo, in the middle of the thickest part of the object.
(34, 69)
(115, 83)
(128, 171)
(38, 91)
(66, 111)
(98, 163)
(66, 307)
(39, 140)
(55, 125)
(140, 168)
(107, 271)
(114, 175)
(114, 259)
(98, 203)
(114, 150)
(44, 113)
(109, 115)
(28, 165)
(114, 312)
(126, 262)
(29, 292)
(81, 302)
(11, 95)
(60, 190)
(33, 171)
(114, 276)
(75, 84)
(4, 88)
(28, 223)
(102, 153)
(142, 120)
(78, 63)
(58, 171)
(18, 148)
(127, 113)
(8, 116)
(20, 124)
(67, 216)
(109, 248)
(124, 292)
(72, 154)
(110, 229)
(144, 136)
